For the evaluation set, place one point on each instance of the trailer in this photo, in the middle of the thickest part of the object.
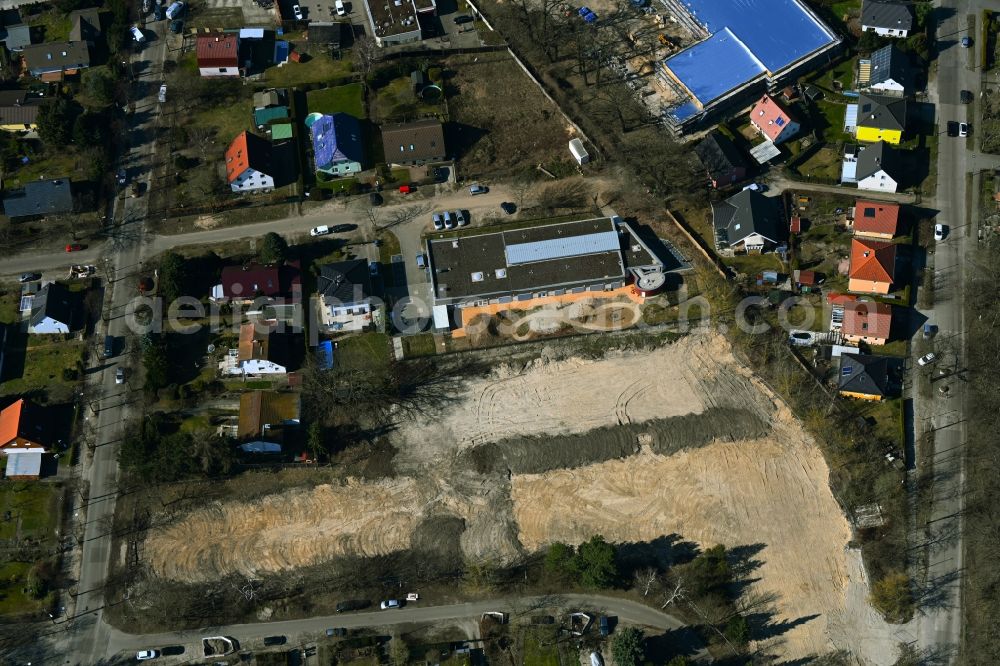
(580, 153)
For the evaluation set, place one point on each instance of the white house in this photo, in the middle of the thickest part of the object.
(218, 54)
(51, 311)
(888, 71)
(887, 19)
(248, 164)
(874, 168)
(748, 222)
(344, 291)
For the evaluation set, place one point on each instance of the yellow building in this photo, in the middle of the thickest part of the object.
(879, 118)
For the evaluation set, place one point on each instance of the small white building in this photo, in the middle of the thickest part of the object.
(580, 153)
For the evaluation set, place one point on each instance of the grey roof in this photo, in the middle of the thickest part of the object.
(345, 281)
(747, 213)
(16, 108)
(719, 155)
(16, 37)
(889, 63)
(887, 15)
(53, 301)
(560, 248)
(888, 113)
(40, 197)
(408, 142)
(873, 157)
(86, 25)
(862, 373)
(56, 57)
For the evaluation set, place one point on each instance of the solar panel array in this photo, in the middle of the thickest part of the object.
(324, 140)
(559, 248)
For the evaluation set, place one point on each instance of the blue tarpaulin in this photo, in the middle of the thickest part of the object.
(324, 355)
(280, 52)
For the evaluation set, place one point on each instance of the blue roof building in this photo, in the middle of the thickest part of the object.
(338, 148)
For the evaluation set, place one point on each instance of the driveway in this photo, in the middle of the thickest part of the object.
(779, 184)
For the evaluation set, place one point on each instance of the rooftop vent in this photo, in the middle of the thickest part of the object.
(501, 273)
(478, 276)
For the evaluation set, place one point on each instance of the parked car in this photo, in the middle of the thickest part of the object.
(375, 199)
(463, 18)
(109, 346)
(162, 95)
(275, 640)
(461, 218)
(319, 231)
(930, 330)
(339, 6)
(963, 129)
(952, 128)
(175, 10)
(605, 626)
(297, 11)
(137, 35)
(135, 189)
(438, 222)
(938, 232)
(966, 42)
(508, 207)
(177, 26)
(478, 189)
(966, 96)
(29, 277)
(390, 603)
(74, 247)
(756, 187)
(120, 376)
(352, 605)
(405, 189)
(449, 221)
(927, 359)
(157, 13)
(343, 228)
(145, 655)
(336, 632)
(121, 176)
(421, 260)
(373, 268)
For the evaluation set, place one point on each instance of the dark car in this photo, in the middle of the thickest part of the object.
(158, 13)
(952, 128)
(339, 632)
(122, 176)
(463, 18)
(508, 207)
(605, 626)
(275, 640)
(375, 198)
(176, 26)
(342, 228)
(352, 605)
(29, 277)
(966, 96)
(109, 346)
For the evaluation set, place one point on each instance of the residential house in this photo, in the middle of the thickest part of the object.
(344, 292)
(722, 160)
(748, 222)
(414, 143)
(772, 121)
(871, 167)
(24, 436)
(873, 266)
(86, 26)
(18, 111)
(837, 303)
(244, 284)
(249, 164)
(264, 418)
(338, 149)
(867, 321)
(875, 219)
(53, 61)
(52, 310)
(879, 118)
(218, 54)
(40, 198)
(14, 34)
(888, 71)
(863, 376)
(805, 279)
(256, 355)
(887, 19)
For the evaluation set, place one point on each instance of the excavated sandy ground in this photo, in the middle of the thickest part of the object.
(772, 491)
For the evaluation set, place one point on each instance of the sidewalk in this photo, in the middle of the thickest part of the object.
(778, 184)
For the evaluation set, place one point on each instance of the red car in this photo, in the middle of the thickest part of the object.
(74, 247)
(405, 189)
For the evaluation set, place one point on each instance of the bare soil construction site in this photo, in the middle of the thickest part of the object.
(556, 446)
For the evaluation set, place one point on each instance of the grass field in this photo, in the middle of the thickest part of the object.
(822, 165)
(397, 102)
(44, 361)
(55, 24)
(49, 164)
(316, 70)
(367, 349)
(419, 345)
(34, 513)
(13, 600)
(339, 99)
(10, 302)
(228, 120)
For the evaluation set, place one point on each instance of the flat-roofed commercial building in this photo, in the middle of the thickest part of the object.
(551, 260)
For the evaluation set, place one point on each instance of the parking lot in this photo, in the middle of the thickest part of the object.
(254, 14)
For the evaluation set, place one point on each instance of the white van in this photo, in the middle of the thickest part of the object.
(421, 260)
(137, 35)
(339, 6)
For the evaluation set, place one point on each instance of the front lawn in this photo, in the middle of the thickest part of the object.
(313, 70)
(33, 509)
(45, 358)
(419, 345)
(823, 165)
(340, 99)
(365, 350)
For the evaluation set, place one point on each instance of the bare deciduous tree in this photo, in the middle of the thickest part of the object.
(366, 54)
(647, 579)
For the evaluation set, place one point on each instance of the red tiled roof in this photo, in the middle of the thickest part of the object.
(876, 218)
(218, 50)
(834, 298)
(770, 117)
(805, 277)
(237, 157)
(795, 225)
(10, 423)
(868, 319)
(252, 279)
(873, 261)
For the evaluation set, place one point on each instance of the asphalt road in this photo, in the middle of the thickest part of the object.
(938, 626)
(87, 638)
(302, 631)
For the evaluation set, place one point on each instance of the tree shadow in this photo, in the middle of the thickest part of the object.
(683, 642)
(762, 625)
(662, 553)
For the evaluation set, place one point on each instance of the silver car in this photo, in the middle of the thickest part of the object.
(460, 218)
(438, 222)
